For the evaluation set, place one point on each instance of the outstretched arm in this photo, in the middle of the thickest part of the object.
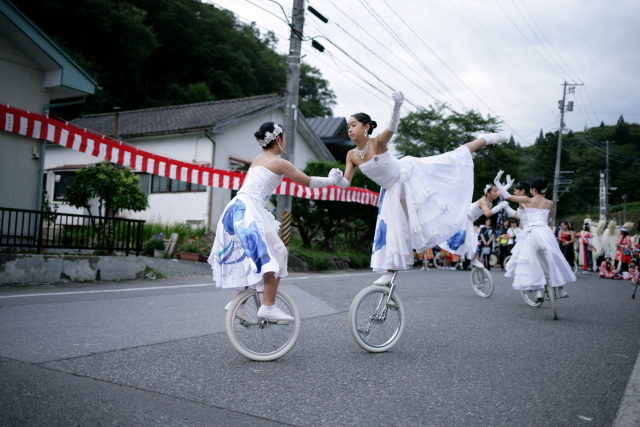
(335, 176)
(386, 135)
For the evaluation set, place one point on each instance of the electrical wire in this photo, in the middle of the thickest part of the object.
(545, 37)
(528, 41)
(393, 34)
(452, 72)
(496, 56)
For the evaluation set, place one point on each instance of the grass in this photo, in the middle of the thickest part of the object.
(148, 272)
(320, 260)
(184, 230)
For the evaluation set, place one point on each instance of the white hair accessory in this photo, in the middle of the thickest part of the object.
(624, 229)
(487, 188)
(270, 136)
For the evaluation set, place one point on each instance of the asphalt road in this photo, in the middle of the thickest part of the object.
(154, 353)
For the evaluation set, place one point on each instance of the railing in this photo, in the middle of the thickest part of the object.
(20, 228)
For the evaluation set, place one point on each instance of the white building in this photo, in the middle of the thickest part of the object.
(218, 134)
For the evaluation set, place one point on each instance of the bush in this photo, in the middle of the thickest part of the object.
(198, 245)
(155, 243)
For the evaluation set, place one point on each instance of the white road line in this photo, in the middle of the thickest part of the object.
(327, 276)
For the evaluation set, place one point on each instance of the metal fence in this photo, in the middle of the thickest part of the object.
(20, 228)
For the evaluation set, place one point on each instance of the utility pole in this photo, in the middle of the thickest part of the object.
(283, 211)
(624, 197)
(556, 177)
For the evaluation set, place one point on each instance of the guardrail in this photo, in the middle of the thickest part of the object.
(21, 228)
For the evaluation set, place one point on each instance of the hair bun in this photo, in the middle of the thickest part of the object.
(373, 125)
(259, 135)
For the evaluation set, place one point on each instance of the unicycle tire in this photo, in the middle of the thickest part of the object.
(375, 325)
(482, 282)
(257, 338)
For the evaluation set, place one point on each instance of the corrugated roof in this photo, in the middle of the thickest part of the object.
(177, 118)
(326, 126)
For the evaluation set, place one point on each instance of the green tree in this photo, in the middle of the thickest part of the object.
(338, 225)
(315, 98)
(438, 129)
(114, 187)
(151, 53)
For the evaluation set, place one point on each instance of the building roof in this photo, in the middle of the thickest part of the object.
(327, 126)
(63, 77)
(213, 115)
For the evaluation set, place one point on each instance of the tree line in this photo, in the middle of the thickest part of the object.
(154, 53)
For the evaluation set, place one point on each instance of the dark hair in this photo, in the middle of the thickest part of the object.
(624, 233)
(586, 226)
(490, 187)
(524, 186)
(540, 184)
(564, 222)
(262, 133)
(365, 119)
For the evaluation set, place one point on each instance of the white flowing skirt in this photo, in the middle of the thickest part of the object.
(247, 246)
(536, 258)
(427, 205)
(469, 247)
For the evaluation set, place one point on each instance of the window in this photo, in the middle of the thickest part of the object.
(62, 181)
(161, 184)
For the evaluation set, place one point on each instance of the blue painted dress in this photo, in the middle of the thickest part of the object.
(247, 244)
(423, 202)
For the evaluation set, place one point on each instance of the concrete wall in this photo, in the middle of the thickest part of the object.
(22, 86)
(17, 268)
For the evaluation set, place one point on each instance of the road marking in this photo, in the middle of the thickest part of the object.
(153, 288)
(108, 290)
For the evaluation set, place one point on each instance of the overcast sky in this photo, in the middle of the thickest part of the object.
(501, 57)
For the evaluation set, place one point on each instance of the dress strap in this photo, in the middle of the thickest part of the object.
(268, 162)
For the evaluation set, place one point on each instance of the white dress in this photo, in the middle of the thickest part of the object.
(247, 244)
(465, 240)
(536, 256)
(423, 201)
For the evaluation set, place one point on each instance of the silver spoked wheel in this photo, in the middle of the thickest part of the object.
(482, 282)
(258, 338)
(440, 263)
(530, 298)
(375, 324)
(552, 299)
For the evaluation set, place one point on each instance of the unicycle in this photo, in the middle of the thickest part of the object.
(257, 338)
(482, 282)
(549, 294)
(376, 317)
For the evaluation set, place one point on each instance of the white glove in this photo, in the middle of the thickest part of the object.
(510, 211)
(497, 208)
(340, 180)
(398, 98)
(335, 176)
(493, 138)
(503, 191)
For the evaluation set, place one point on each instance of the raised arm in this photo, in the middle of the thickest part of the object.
(385, 136)
(287, 169)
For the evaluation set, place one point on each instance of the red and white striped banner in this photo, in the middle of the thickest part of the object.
(68, 135)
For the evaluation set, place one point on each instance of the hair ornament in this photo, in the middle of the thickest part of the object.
(487, 188)
(270, 136)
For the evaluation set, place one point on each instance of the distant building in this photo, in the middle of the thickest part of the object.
(334, 133)
(218, 134)
(35, 75)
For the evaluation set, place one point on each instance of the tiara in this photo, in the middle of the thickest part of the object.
(270, 136)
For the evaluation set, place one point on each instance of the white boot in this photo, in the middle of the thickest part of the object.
(272, 312)
(384, 280)
(493, 138)
(476, 263)
(562, 293)
(539, 295)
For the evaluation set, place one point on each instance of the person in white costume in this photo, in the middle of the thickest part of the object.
(247, 250)
(465, 240)
(423, 201)
(536, 258)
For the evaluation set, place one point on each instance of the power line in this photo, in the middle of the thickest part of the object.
(409, 51)
(531, 44)
(545, 37)
(589, 98)
(536, 36)
(452, 72)
(496, 56)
